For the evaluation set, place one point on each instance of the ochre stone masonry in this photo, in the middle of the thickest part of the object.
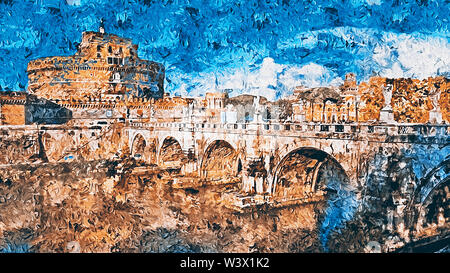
(369, 157)
(104, 64)
(12, 108)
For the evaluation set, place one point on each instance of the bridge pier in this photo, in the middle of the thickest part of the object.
(259, 184)
(254, 176)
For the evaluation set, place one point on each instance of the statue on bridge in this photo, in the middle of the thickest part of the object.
(386, 113)
(259, 110)
(435, 113)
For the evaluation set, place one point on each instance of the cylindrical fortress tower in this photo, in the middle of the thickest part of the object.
(105, 64)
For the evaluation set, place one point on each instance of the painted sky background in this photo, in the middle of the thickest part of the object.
(250, 46)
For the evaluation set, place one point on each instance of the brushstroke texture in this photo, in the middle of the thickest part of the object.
(259, 47)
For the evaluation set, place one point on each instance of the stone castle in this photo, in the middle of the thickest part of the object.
(105, 66)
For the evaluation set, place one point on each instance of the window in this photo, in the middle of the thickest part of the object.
(113, 60)
(98, 55)
(99, 47)
(109, 49)
(116, 76)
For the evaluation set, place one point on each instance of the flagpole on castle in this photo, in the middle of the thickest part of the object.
(101, 28)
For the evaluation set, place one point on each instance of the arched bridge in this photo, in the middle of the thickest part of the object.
(289, 162)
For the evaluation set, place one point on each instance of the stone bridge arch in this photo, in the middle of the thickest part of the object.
(170, 153)
(220, 159)
(151, 151)
(162, 136)
(138, 146)
(144, 148)
(429, 209)
(307, 173)
(133, 134)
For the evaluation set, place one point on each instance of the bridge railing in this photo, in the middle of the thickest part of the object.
(295, 128)
(281, 128)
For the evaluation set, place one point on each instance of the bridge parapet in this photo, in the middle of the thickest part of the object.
(344, 131)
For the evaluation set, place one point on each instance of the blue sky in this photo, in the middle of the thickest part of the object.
(252, 46)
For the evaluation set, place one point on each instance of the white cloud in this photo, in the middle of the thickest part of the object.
(374, 2)
(394, 72)
(309, 75)
(267, 74)
(73, 2)
(365, 2)
(314, 74)
(382, 54)
(270, 80)
(412, 56)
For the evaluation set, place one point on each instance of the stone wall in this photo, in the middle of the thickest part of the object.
(28, 144)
